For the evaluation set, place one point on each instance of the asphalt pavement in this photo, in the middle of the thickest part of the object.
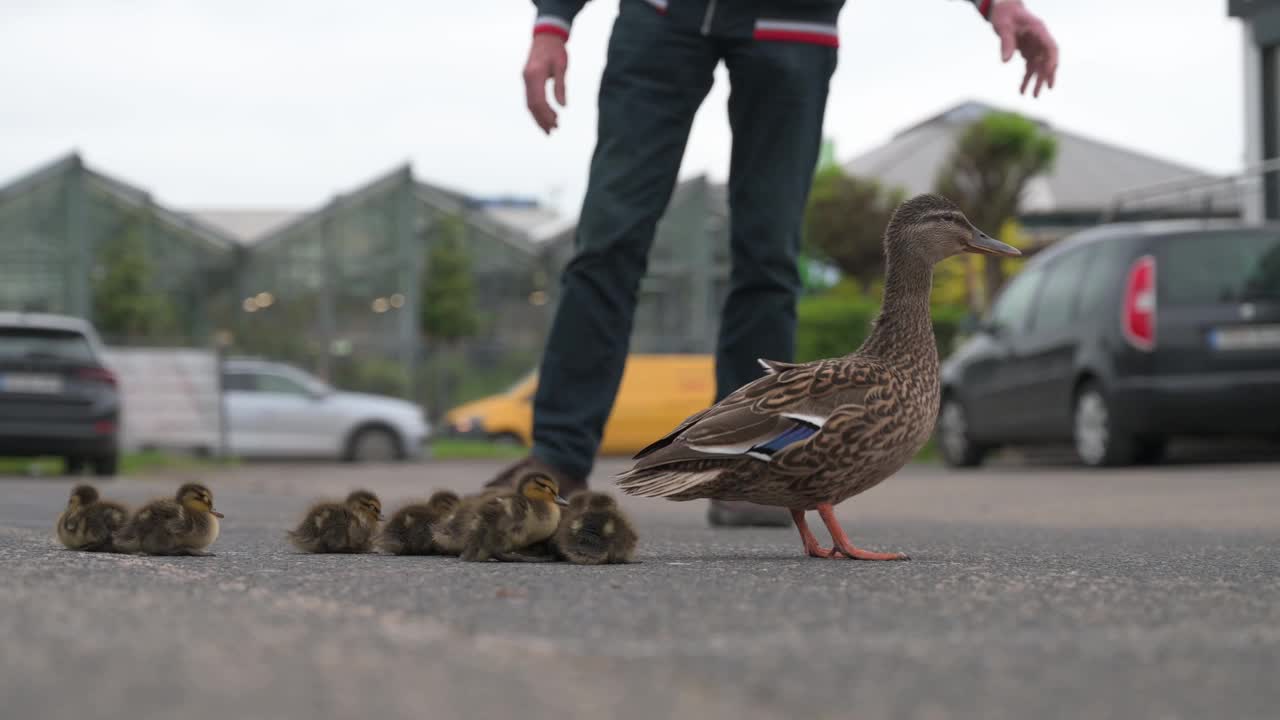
(1034, 592)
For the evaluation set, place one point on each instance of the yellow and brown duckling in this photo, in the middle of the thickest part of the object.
(410, 531)
(512, 521)
(346, 527)
(450, 534)
(88, 522)
(184, 525)
(593, 531)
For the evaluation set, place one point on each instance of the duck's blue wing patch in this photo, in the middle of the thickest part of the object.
(799, 431)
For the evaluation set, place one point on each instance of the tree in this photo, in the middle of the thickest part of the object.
(126, 304)
(987, 171)
(448, 310)
(845, 221)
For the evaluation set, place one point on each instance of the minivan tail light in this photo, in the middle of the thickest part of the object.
(101, 375)
(1138, 316)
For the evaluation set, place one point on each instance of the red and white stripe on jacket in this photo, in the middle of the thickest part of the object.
(765, 29)
(793, 31)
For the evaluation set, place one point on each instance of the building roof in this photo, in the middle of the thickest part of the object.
(246, 226)
(123, 193)
(1087, 175)
(521, 216)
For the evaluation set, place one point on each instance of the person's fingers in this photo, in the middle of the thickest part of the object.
(1026, 78)
(1051, 64)
(535, 94)
(1008, 40)
(558, 70)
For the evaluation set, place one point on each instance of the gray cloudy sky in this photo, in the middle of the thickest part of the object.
(217, 103)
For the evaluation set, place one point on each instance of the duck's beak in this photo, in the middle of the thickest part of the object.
(215, 513)
(984, 244)
(561, 501)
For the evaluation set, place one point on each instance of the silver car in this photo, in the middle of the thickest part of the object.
(275, 410)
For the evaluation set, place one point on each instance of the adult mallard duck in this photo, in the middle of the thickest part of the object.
(808, 436)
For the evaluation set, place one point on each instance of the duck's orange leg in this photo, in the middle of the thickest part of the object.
(811, 546)
(841, 541)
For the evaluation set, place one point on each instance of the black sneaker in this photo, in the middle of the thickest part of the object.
(738, 513)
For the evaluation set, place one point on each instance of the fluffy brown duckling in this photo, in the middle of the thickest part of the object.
(594, 531)
(410, 529)
(345, 527)
(511, 521)
(88, 522)
(450, 534)
(185, 525)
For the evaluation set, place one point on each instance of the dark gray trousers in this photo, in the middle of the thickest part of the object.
(655, 79)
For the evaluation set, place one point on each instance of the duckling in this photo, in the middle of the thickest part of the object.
(185, 525)
(514, 520)
(594, 531)
(88, 523)
(409, 531)
(451, 533)
(346, 527)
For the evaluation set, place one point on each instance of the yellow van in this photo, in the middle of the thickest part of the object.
(657, 392)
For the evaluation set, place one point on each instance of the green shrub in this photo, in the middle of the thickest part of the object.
(371, 375)
(837, 322)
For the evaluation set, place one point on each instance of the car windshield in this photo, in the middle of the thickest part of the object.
(312, 383)
(25, 343)
(1219, 267)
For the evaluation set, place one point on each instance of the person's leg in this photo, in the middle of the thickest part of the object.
(653, 82)
(776, 108)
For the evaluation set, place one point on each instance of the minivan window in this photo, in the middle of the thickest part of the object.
(1014, 304)
(1055, 307)
(1208, 268)
(1102, 278)
(25, 343)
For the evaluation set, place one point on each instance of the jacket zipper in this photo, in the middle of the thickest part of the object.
(706, 19)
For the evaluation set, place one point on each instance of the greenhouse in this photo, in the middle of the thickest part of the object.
(77, 242)
(399, 287)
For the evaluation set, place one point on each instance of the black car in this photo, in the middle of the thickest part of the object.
(57, 396)
(1117, 338)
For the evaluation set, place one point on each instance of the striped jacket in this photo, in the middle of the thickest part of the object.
(811, 21)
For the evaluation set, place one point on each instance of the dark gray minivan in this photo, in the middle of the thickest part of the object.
(57, 395)
(1117, 338)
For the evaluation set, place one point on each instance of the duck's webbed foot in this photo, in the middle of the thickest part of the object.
(811, 546)
(844, 548)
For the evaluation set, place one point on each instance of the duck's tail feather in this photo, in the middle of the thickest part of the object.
(664, 481)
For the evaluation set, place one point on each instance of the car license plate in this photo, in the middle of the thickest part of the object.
(1248, 337)
(30, 384)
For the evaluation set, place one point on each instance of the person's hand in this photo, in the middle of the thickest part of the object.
(1019, 29)
(548, 60)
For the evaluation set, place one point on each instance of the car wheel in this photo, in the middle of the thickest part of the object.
(375, 444)
(72, 465)
(106, 466)
(1098, 442)
(954, 443)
